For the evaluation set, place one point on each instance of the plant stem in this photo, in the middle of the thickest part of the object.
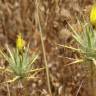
(92, 80)
(43, 47)
(8, 89)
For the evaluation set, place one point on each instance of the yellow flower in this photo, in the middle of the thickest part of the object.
(93, 15)
(20, 43)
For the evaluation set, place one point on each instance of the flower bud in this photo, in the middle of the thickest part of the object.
(20, 43)
(93, 15)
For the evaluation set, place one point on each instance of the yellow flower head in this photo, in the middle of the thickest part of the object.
(20, 43)
(93, 15)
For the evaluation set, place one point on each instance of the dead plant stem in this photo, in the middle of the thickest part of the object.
(43, 47)
(8, 89)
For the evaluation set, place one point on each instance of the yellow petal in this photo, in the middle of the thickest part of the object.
(20, 43)
(93, 15)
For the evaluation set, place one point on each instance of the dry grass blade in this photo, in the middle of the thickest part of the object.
(32, 77)
(79, 88)
(72, 48)
(4, 55)
(34, 59)
(34, 70)
(75, 62)
(10, 53)
(2, 68)
(5, 69)
(94, 61)
(11, 81)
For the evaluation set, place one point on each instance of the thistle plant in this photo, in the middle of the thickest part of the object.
(87, 46)
(86, 41)
(20, 62)
(87, 38)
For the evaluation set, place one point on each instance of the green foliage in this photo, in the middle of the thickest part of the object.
(87, 41)
(20, 63)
